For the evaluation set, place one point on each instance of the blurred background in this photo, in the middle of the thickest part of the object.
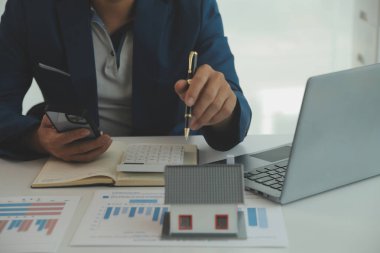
(279, 44)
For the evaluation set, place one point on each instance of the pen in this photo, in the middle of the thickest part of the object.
(193, 58)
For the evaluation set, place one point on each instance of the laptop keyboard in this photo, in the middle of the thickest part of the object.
(272, 175)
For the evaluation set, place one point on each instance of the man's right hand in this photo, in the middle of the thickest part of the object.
(64, 146)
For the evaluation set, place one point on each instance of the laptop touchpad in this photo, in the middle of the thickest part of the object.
(274, 155)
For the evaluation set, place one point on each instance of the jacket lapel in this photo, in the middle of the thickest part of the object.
(149, 24)
(74, 19)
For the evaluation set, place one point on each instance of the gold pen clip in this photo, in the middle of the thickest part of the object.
(192, 62)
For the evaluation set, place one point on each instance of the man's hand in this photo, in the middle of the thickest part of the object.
(63, 146)
(210, 96)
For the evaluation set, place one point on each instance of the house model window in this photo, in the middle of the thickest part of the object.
(185, 222)
(221, 221)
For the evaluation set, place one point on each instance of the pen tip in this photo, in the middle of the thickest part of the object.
(186, 133)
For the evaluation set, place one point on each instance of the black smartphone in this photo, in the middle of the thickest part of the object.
(67, 120)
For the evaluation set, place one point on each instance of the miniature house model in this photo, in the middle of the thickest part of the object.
(204, 201)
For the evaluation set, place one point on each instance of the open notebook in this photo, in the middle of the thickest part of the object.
(57, 173)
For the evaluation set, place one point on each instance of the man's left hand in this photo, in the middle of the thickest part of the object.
(210, 97)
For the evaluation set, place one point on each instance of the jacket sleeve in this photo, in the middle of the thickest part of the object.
(214, 50)
(15, 80)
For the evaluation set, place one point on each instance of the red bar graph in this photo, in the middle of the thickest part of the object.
(50, 226)
(3, 223)
(25, 225)
(48, 204)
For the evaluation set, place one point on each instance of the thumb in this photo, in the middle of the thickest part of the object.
(180, 88)
(45, 122)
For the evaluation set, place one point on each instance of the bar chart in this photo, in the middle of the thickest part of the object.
(29, 211)
(127, 217)
(138, 216)
(155, 213)
(27, 222)
(46, 225)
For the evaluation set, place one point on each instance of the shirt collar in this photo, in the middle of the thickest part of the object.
(96, 18)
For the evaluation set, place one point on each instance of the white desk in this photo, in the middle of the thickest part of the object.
(343, 220)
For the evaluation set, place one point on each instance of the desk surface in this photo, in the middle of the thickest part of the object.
(342, 220)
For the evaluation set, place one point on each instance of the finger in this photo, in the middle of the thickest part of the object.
(210, 112)
(72, 135)
(225, 112)
(79, 148)
(180, 88)
(198, 82)
(45, 122)
(216, 88)
(92, 155)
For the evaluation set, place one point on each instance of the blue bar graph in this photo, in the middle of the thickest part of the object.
(149, 210)
(116, 211)
(13, 214)
(164, 210)
(15, 204)
(18, 224)
(41, 224)
(143, 201)
(263, 219)
(257, 217)
(14, 209)
(156, 213)
(132, 212)
(252, 218)
(14, 224)
(108, 213)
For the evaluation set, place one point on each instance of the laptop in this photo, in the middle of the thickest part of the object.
(337, 139)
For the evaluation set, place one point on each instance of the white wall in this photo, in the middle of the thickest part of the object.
(366, 46)
(278, 44)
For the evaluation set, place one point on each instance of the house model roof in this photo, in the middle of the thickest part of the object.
(206, 184)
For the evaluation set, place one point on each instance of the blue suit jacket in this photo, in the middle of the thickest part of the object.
(58, 33)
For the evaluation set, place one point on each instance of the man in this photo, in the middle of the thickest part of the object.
(125, 62)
